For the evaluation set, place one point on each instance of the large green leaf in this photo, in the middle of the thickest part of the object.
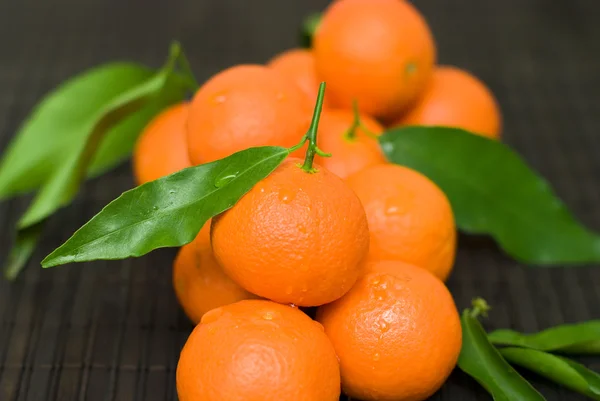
(560, 370)
(118, 143)
(482, 361)
(24, 244)
(170, 211)
(57, 125)
(64, 183)
(85, 127)
(493, 191)
(579, 338)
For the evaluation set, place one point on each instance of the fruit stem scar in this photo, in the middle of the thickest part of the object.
(311, 135)
(479, 308)
(356, 124)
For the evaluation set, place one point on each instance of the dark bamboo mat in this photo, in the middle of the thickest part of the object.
(113, 330)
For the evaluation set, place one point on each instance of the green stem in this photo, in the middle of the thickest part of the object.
(351, 133)
(311, 135)
(356, 124)
(480, 308)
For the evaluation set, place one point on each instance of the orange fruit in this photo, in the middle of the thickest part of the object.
(243, 107)
(397, 333)
(379, 52)
(296, 237)
(161, 148)
(200, 283)
(455, 98)
(298, 65)
(258, 351)
(350, 152)
(410, 218)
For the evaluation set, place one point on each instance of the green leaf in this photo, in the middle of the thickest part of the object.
(579, 338)
(493, 191)
(557, 369)
(309, 27)
(170, 211)
(22, 250)
(63, 184)
(482, 361)
(118, 143)
(55, 126)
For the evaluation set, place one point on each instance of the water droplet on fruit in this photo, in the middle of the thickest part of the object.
(289, 290)
(268, 316)
(219, 98)
(376, 356)
(171, 192)
(225, 179)
(212, 316)
(154, 207)
(286, 196)
(392, 210)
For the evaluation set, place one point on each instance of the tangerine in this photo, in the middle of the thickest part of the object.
(258, 351)
(379, 52)
(410, 218)
(161, 148)
(397, 333)
(200, 283)
(350, 140)
(298, 65)
(455, 98)
(242, 107)
(296, 237)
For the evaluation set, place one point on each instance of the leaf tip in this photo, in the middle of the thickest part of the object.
(51, 260)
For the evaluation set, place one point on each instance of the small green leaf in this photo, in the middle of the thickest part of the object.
(22, 250)
(482, 361)
(557, 369)
(579, 338)
(492, 191)
(309, 27)
(170, 211)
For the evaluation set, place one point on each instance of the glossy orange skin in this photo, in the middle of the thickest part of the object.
(296, 237)
(243, 107)
(379, 52)
(410, 218)
(162, 147)
(349, 154)
(298, 65)
(199, 282)
(397, 333)
(258, 351)
(456, 98)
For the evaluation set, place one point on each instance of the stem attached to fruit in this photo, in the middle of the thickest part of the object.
(356, 124)
(311, 135)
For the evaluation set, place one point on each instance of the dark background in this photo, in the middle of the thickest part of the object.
(113, 330)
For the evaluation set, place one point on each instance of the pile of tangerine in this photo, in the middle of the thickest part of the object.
(361, 245)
